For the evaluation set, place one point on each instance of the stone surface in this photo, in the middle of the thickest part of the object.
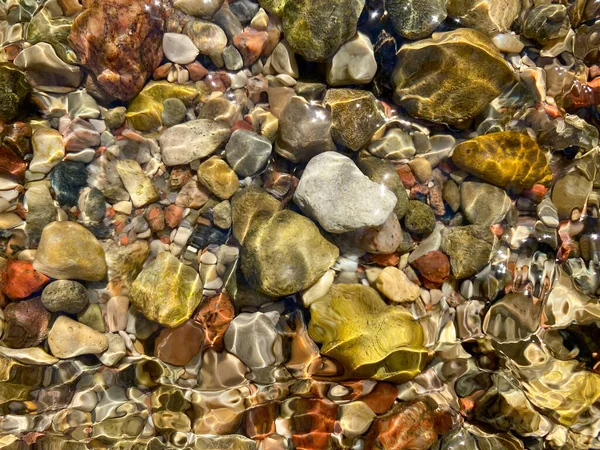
(69, 251)
(369, 338)
(166, 291)
(333, 191)
(353, 63)
(247, 205)
(174, 112)
(179, 48)
(247, 152)
(208, 38)
(25, 324)
(507, 159)
(65, 296)
(285, 253)
(140, 188)
(482, 203)
(67, 180)
(125, 262)
(312, 37)
(433, 269)
(488, 16)
(419, 219)
(218, 177)
(168, 345)
(137, 26)
(40, 209)
(214, 316)
(199, 8)
(416, 19)
(394, 285)
(48, 150)
(69, 338)
(469, 249)
(546, 23)
(20, 280)
(469, 73)
(395, 145)
(14, 90)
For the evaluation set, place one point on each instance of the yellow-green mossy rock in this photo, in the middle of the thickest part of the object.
(167, 291)
(285, 253)
(145, 110)
(507, 159)
(368, 337)
(450, 77)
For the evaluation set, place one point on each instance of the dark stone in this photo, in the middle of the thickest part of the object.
(26, 323)
(95, 205)
(244, 10)
(67, 179)
(419, 219)
(14, 89)
(204, 235)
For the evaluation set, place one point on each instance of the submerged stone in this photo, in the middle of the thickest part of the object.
(469, 249)
(488, 16)
(14, 89)
(416, 19)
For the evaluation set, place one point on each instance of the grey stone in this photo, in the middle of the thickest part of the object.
(247, 152)
(232, 58)
(115, 352)
(65, 296)
(483, 203)
(174, 111)
(395, 145)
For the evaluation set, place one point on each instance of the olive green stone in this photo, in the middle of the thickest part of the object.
(92, 317)
(14, 89)
(415, 19)
(53, 30)
(166, 291)
(507, 159)
(469, 248)
(488, 16)
(450, 77)
(246, 205)
(273, 6)
(368, 337)
(419, 219)
(317, 28)
(355, 115)
(285, 253)
(216, 175)
(546, 23)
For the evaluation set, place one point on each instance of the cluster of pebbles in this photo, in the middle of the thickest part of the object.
(300, 224)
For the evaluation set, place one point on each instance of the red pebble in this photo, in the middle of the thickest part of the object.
(433, 268)
(20, 280)
(381, 398)
(214, 317)
(406, 175)
(391, 259)
(173, 215)
(251, 44)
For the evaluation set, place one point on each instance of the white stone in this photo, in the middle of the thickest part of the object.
(48, 150)
(136, 182)
(354, 63)
(32, 355)
(179, 48)
(69, 338)
(508, 43)
(319, 289)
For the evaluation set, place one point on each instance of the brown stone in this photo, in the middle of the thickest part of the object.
(17, 136)
(11, 164)
(20, 280)
(179, 345)
(155, 217)
(26, 323)
(251, 44)
(259, 422)
(433, 268)
(381, 398)
(213, 317)
(312, 422)
(173, 215)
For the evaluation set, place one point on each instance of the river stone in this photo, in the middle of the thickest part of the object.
(140, 188)
(469, 249)
(174, 112)
(333, 191)
(192, 140)
(488, 16)
(416, 19)
(199, 8)
(25, 323)
(469, 72)
(68, 339)
(482, 203)
(355, 115)
(208, 38)
(546, 23)
(311, 36)
(507, 159)
(40, 209)
(246, 205)
(67, 180)
(14, 89)
(285, 253)
(166, 291)
(571, 192)
(125, 262)
(353, 63)
(179, 48)
(247, 152)
(68, 251)
(419, 219)
(48, 150)
(65, 296)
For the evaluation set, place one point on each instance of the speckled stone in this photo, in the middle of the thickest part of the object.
(65, 296)
(469, 249)
(419, 219)
(26, 323)
(416, 19)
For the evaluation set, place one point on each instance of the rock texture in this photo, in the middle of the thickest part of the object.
(416, 19)
(69, 338)
(469, 249)
(488, 16)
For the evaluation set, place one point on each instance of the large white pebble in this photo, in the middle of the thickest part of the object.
(179, 48)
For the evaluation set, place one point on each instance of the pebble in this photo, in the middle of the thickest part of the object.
(33, 355)
(395, 286)
(139, 186)
(483, 204)
(68, 338)
(65, 296)
(222, 215)
(174, 112)
(319, 289)
(232, 58)
(116, 350)
(396, 145)
(204, 9)
(419, 219)
(115, 117)
(421, 169)
(67, 180)
(168, 348)
(25, 323)
(248, 204)
(247, 152)
(283, 60)
(20, 280)
(208, 38)
(353, 63)
(116, 313)
(468, 247)
(218, 177)
(415, 19)
(433, 269)
(48, 150)
(179, 48)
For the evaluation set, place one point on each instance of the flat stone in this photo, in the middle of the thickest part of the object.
(333, 191)
(48, 150)
(416, 19)
(139, 186)
(65, 296)
(248, 204)
(247, 152)
(67, 251)
(488, 16)
(179, 48)
(192, 140)
(68, 339)
(469, 249)
(353, 63)
(466, 87)
(166, 291)
(218, 177)
(483, 204)
(285, 253)
(394, 285)
(25, 323)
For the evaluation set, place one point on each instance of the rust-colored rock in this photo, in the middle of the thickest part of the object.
(20, 280)
(251, 44)
(213, 317)
(433, 268)
(120, 42)
(312, 422)
(259, 422)
(179, 345)
(17, 136)
(381, 398)
(26, 324)
(11, 164)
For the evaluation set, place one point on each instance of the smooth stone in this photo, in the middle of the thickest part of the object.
(285, 253)
(92, 317)
(115, 352)
(192, 140)
(40, 209)
(548, 213)
(33, 355)
(396, 145)
(546, 23)
(454, 90)
(168, 348)
(333, 191)
(244, 10)
(139, 186)
(483, 204)
(488, 16)
(67, 180)
(94, 206)
(228, 21)
(179, 48)
(10, 220)
(381, 240)
(218, 177)
(469, 249)
(451, 195)
(421, 169)
(115, 117)
(117, 309)
(48, 150)
(304, 131)
(247, 152)
(192, 195)
(355, 116)
(82, 105)
(416, 19)
(283, 60)
(506, 159)
(248, 204)
(214, 316)
(571, 192)
(394, 285)
(508, 43)
(311, 36)
(68, 339)
(319, 289)
(419, 219)
(222, 215)
(65, 296)
(137, 27)
(67, 251)
(14, 89)
(232, 58)
(25, 323)
(353, 63)
(208, 38)
(204, 9)
(166, 291)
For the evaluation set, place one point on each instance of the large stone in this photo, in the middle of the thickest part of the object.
(469, 249)
(311, 36)
(450, 77)
(285, 253)
(546, 23)
(248, 204)
(333, 191)
(69, 338)
(507, 159)
(125, 262)
(167, 291)
(369, 338)
(140, 188)
(68, 251)
(120, 42)
(416, 19)
(488, 16)
(65, 296)
(192, 140)
(482, 203)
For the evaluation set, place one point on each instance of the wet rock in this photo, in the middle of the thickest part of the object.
(513, 318)
(40, 209)
(69, 338)
(304, 131)
(232, 58)
(92, 317)
(179, 48)
(451, 195)
(14, 90)
(115, 352)
(467, 87)
(140, 188)
(174, 112)
(433, 269)
(216, 175)
(283, 60)
(314, 38)
(247, 152)
(353, 63)
(355, 116)
(94, 207)
(137, 27)
(33, 355)
(20, 280)
(572, 190)
(395, 145)
(419, 219)
(69, 251)
(65, 296)
(383, 239)
(546, 23)
(394, 285)
(488, 16)
(208, 38)
(115, 117)
(166, 291)
(333, 191)
(349, 320)
(192, 195)
(248, 204)
(82, 105)
(250, 43)
(483, 204)
(214, 316)
(168, 348)
(25, 324)
(192, 140)
(469, 249)
(416, 19)
(204, 9)
(222, 215)
(124, 264)
(17, 136)
(285, 253)
(507, 159)
(48, 150)
(67, 180)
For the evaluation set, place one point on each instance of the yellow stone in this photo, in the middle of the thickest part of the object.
(246, 205)
(368, 337)
(218, 177)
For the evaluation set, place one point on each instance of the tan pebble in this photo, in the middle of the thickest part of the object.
(395, 285)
